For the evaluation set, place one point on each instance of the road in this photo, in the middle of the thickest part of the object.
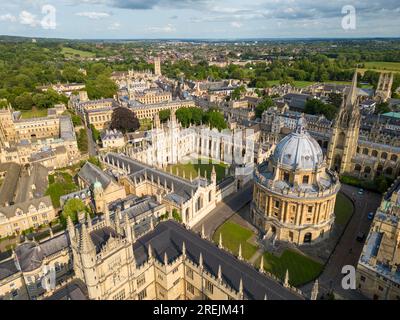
(92, 147)
(348, 249)
(224, 210)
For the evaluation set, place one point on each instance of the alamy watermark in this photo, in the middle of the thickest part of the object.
(349, 21)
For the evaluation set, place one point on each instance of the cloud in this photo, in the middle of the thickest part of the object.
(8, 17)
(27, 18)
(236, 24)
(169, 28)
(93, 15)
(114, 26)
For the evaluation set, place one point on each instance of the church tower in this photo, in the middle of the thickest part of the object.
(157, 66)
(343, 144)
(384, 89)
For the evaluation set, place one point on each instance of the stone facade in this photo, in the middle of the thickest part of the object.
(294, 192)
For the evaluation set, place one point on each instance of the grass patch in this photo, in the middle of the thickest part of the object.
(192, 168)
(73, 53)
(82, 140)
(60, 183)
(302, 269)
(343, 209)
(34, 113)
(382, 65)
(233, 235)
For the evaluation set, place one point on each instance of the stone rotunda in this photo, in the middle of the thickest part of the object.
(294, 191)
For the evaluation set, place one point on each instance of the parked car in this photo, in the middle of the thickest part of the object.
(361, 192)
(371, 216)
(360, 237)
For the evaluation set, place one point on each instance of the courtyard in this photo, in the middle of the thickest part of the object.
(304, 264)
(204, 164)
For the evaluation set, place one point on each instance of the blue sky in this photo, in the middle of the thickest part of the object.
(136, 19)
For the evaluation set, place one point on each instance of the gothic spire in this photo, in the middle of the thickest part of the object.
(352, 95)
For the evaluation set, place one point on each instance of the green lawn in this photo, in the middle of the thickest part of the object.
(343, 209)
(233, 235)
(70, 53)
(60, 183)
(34, 113)
(193, 168)
(299, 84)
(301, 268)
(382, 65)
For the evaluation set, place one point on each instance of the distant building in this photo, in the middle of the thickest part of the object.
(112, 139)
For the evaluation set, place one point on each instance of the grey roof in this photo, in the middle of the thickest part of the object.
(9, 185)
(100, 237)
(75, 290)
(91, 173)
(169, 236)
(134, 206)
(9, 211)
(182, 187)
(66, 128)
(7, 268)
(37, 178)
(31, 254)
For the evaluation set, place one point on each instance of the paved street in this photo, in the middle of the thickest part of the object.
(91, 144)
(225, 210)
(348, 249)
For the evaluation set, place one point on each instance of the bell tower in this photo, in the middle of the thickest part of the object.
(344, 139)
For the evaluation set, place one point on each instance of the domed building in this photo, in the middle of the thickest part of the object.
(294, 191)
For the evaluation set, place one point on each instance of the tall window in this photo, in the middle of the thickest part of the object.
(209, 286)
(306, 179)
(142, 294)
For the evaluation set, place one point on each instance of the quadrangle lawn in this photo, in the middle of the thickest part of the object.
(343, 209)
(233, 235)
(34, 113)
(301, 268)
(193, 168)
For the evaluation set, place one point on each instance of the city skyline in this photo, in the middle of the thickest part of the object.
(203, 19)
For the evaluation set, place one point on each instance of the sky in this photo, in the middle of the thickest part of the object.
(203, 19)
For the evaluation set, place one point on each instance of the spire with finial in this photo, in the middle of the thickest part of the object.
(86, 242)
(219, 273)
(183, 249)
(262, 264)
(201, 261)
(240, 252)
(165, 258)
(220, 241)
(128, 229)
(241, 287)
(286, 281)
(203, 233)
(70, 227)
(265, 297)
(314, 292)
(150, 252)
(351, 99)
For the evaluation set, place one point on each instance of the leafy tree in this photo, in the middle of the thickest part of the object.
(124, 120)
(95, 133)
(382, 108)
(215, 119)
(315, 106)
(24, 101)
(101, 87)
(335, 99)
(82, 140)
(164, 115)
(237, 93)
(71, 209)
(264, 105)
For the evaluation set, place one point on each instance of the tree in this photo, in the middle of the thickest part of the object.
(71, 209)
(95, 133)
(164, 115)
(382, 108)
(315, 106)
(264, 105)
(101, 87)
(237, 93)
(215, 119)
(335, 99)
(24, 101)
(124, 120)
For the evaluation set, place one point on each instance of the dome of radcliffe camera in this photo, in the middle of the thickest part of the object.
(298, 150)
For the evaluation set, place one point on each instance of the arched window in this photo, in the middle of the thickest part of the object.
(210, 196)
(384, 155)
(357, 167)
(367, 170)
(393, 158)
(374, 153)
(365, 151)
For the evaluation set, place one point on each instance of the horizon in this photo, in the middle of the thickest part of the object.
(199, 19)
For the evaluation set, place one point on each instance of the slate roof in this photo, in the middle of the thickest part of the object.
(182, 187)
(9, 211)
(9, 185)
(31, 254)
(75, 290)
(7, 268)
(90, 173)
(169, 236)
(100, 237)
(38, 178)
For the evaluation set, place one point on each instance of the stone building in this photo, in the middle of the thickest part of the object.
(294, 191)
(378, 269)
(104, 260)
(148, 111)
